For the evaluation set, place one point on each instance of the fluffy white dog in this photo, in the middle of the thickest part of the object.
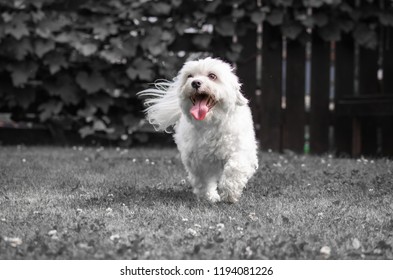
(213, 127)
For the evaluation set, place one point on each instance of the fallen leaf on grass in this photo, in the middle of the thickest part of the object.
(253, 216)
(248, 252)
(13, 241)
(356, 244)
(52, 232)
(84, 246)
(191, 233)
(114, 237)
(109, 211)
(325, 251)
(220, 226)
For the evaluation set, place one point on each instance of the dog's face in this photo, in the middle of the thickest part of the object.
(208, 89)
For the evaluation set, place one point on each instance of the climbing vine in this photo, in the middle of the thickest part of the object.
(77, 64)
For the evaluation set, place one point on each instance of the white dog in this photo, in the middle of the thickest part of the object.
(213, 127)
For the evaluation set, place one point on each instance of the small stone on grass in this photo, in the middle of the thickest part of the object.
(13, 241)
(325, 251)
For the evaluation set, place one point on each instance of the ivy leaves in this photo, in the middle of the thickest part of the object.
(21, 72)
(91, 83)
(330, 19)
(14, 24)
(141, 69)
(77, 55)
(83, 61)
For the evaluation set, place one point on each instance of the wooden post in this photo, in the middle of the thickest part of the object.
(246, 71)
(356, 137)
(387, 124)
(344, 86)
(388, 61)
(320, 85)
(295, 118)
(270, 116)
(368, 85)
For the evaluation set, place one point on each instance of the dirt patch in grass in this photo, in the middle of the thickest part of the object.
(86, 203)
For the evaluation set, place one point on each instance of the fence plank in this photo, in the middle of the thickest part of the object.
(294, 125)
(344, 86)
(246, 71)
(387, 136)
(387, 124)
(270, 121)
(369, 132)
(388, 61)
(368, 85)
(368, 68)
(320, 83)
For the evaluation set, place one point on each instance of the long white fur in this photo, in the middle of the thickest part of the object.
(219, 152)
(162, 105)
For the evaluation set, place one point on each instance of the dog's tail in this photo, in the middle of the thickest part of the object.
(162, 105)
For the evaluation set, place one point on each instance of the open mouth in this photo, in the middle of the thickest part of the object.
(202, 103)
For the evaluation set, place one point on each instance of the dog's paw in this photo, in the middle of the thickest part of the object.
(213, 196)
(230, 197)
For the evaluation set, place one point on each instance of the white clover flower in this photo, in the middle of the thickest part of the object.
(191, 232)
(114, 237)
(248, 252)
(13, 241)
(325, 250)
(356, 243)
(253, 216)
(52, 232)
(220, 226)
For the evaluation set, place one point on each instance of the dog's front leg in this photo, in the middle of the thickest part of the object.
(206, 187)
(234, 178)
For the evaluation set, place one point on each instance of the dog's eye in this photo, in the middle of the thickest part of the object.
(189, 76)
(212, 76)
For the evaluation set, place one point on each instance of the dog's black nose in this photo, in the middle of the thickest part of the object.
(196, 84)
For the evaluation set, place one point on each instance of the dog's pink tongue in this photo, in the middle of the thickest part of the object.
(200, 109)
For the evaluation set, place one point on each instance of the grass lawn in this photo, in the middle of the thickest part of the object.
(87, 203)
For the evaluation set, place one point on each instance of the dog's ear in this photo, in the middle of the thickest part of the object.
(240, 99)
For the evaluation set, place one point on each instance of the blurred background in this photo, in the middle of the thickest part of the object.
(318, 73)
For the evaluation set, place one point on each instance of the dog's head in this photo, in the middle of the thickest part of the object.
(208, 89)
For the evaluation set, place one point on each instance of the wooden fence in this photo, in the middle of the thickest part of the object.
(320, 97)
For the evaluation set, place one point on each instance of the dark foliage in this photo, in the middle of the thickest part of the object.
(77, 64)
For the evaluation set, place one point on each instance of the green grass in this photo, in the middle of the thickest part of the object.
(70, 203)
